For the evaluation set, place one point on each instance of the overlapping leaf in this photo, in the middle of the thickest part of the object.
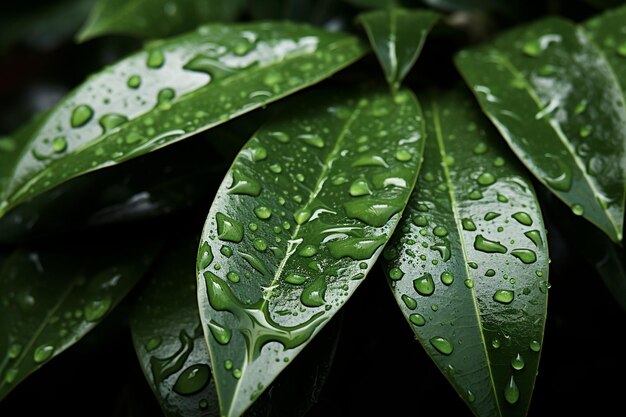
(172, 90)
(397, 36)
(556, 99)
(469, 262)
(296, 225)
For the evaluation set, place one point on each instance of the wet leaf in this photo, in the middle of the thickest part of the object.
(167, 334)
(296, 225)
(170, 91)
(155, 18)
(52, 297)
(557, 101)
(469, 263)
(397, 36)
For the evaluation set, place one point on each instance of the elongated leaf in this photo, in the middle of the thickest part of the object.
(173, 90)
(167, 334)
(50, 298)
(296, 225)
(556, 100)
(469, 263)
(397, 36)
(155, 18)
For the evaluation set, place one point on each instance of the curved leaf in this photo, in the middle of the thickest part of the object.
(171, 91)
(51, 298)
(397, 36)
(297, 223)
(167, 334)
(155, 18)
(558, 103)
(469, 264)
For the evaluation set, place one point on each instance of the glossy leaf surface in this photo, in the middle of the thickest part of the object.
(469, 263)
(51, 298)
(557, 101)
(397, 36)
(155, 18)
(296, 225)
(168, 92)
(167, 334)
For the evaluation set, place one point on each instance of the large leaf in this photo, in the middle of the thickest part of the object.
(296, 225)
(167, 334)
(168, 92)
(556, 100)
(469, 262)
(155, 18)
(51, 297)
(397, 36)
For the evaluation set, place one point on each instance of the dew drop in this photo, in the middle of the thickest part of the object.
(203, 404)
(523, 218)
(96, 309)
(81, 115)
(420, 221)
(233, 277)
(503, 296)
(313, 140)
(263, 212)
(220, 333)
(490, 273)
(578, 210)
(244, 185)
(527, 256)
(276, 169)
(134, 81)
(518, 362)
(228, 364)
(417, 319)
(226, 251)
(192, 380)
(359, 188)
(621, 50)
(313, 295)
(259, 154)
(228, 229)
(10, 376)
(424, 285)
(480, 149)
(14, 350)
(395, 274)
(110, 121)
(43, 353)
(442, 345)
(535, 237)
(586, 131)
(301, 216)
(486, 178)
(447, 278)
(403, 155)
(511, 391)
(535, 345)
(295, 279)
(488, 246)
(471, 397)
(237, 373)
(495, 343)
(468, 225)
(440, 231)
(281, 137)
(153, 343)
(532, 48)
(491, 215)
(59, 144)
(156, 59)
(409, 302)
(307, 251)
(469, 283)
(475, 195)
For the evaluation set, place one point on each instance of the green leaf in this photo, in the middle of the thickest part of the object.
(170, 91)
(52, 297)
(469, 262)
(155, 18)
(167, 334)
(374, 4)
(556, 100)
(296, 225)
(397, 36)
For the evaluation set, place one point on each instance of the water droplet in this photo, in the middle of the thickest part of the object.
(486, 178)
(359, 188)
(192, 379)
(532, 48)
(447, 278)
(307, 251)
(468, 225)
(226, 251)
(562, 178)
(134, 81)
(523, 218)
(469, 283)
(10, 376)
(470, 396)
(535, 345)
(424, 285)
(490, 273)
(480, 149)
(96, 309)
(43, 353)
(395, 274)
(527, 256)
(313, 295)
(475, 195)
(59, 144)
(355, 248)
(153, 343)
(409, 302)
(255, 263)
(370, 161)
(244, 185)
(312, 139)
(440, 231)
(403, 155)
(276, 169)
(110, 121)
(301, 216)
(578, 210)
(81, 115)
(488, 246)
(472, 265)
(417, 319)
(228, 229)
(511, 392)
(495, 343)
(263, 212)
(203, 404)
(517, 362)
(233, 277)
(585, 131)
(259, 154)
(220, 333)
(535, 237)
(375, 213)
(420, 221)
(503, 296)
(491, 215)
(295, 279)
(156, 59)
(165, 97)
(442, 345)
(228, 364)
(237, 373)
(282, 137)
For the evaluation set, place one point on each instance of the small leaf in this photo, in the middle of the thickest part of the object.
(556, 100)
(155, 18)
(472, 285)
(167, 334)
(275, 265)
(397, 36)
(51, 298)
(166, 93)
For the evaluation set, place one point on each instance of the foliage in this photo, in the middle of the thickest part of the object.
(325, 169)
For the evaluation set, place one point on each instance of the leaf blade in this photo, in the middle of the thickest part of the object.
(453, 295)
(315, 146)
(525, 82)
(256, 64)
(397, 36)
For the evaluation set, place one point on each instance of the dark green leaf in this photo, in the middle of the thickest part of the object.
(374, 4)
(297, 223)
(397, 36)
(556, 100)
(155, 18)
(167, 334)
(469, 262)
(52, 297)
(171, 91)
